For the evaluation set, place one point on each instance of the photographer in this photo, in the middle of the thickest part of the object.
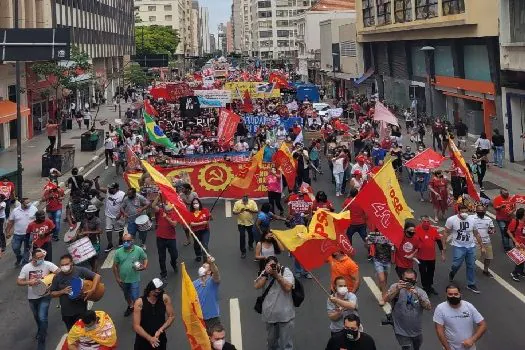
(408, 302)
(278, 310)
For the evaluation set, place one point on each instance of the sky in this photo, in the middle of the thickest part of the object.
(220, 11)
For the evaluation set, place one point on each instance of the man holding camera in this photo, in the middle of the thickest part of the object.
(408, 302)
(278, 311)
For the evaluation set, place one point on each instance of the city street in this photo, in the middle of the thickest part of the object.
(499, 302)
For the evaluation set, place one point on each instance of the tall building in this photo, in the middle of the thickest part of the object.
(204, 30)
(229, 37)
(242, 26)
(163, 13)
(274, 27)
(195, 25)
(213, 44)
(221, 38)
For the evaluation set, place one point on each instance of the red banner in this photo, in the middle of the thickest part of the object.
(171, 92)
(517, 198)
(283, 160)
(428, 159)
(278, 79)
(228, 121)
(208, 180)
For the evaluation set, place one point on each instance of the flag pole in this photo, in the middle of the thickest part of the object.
(318, 283)
(190, 230)
(220, 194)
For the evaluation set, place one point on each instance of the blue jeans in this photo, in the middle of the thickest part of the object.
(40, 308)
(469, 255)
(338, 181)
(131, 291)
(204, 237)
(505, 239)
(16, 244)
(133, 229)
(498, 155)
(361, 229)
(56, 217)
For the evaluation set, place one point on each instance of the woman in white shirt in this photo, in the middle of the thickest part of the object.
(339, 172)
(483, 144)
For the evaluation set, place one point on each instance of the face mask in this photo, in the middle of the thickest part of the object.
(202, 271)
(463, 216)
(218, 344)
(454, 300)
(410, 233)
(39, 262)
(481, 214)
(65, 268)
(342, 290)
(352, 334)
(196, 205)
(126, 245)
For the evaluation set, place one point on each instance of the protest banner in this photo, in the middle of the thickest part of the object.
(223, 96)
(256, 89)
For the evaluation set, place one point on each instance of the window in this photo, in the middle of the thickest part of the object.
(167, 8)
(265, 24)
(383, 12)
(517, 21)
(264, 14)
(426, 9)
(403, 10)
(152, 18)
(282, 23)
(368, 13)
(152, 8)
(282, 43)
(348, 48)
(283, 33)
(264, 4)
(168, 17)
(265, 34)
(452, 7)
(281, 13)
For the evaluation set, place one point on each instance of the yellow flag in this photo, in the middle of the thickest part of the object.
(246, 175)
(192, 314)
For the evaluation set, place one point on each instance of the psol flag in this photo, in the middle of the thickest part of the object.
(192, 314)
(245, 177)
(459, 162)
(283, 160)
(384, 204)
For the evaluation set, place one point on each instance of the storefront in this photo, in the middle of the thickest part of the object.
(8, 122)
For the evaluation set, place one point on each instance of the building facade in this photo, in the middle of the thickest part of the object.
(229, 37)
(241, 21)
(204, 30)
(213, 44)
(439, 54)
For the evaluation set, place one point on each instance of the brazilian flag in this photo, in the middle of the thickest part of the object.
(155, 133)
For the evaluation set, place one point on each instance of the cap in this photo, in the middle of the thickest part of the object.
(157, 282)
(114, 185)
(91, 209)
(357, 172)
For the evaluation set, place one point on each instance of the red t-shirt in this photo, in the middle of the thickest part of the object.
(428, 238)
(201, 215)
(40, 232)
(517, 228)
(54, 199)
(7, 189)
(298, 204)
(357, 214)
(503, 213)
(407, 247)
(164, 228)
(323, 205)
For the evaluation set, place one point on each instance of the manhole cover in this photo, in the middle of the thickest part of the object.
(76, 137)
(490, 186)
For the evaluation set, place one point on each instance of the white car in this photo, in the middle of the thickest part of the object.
(321, 108)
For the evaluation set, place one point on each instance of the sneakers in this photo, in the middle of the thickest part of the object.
(515, 277)
(243, 255)
(113, 164)
(108, 249)
(250, 248)
(106, 167)
(308, 276)
(128, 311)
(521, 274)
(473, 288)
(451, 276)
(337, 194)
(488, 274)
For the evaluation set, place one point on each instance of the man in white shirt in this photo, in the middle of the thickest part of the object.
(485, 226)
(463, 231)
(113, 204)
(109, 146)
(18, 221)
(242, 146)
(31, 275)
(455, 319)
(361, 166)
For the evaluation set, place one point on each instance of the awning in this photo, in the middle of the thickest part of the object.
(81, 77)
(365, 76)
(8, 111)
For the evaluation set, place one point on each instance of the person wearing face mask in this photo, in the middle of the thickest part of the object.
(166, 235)
(245, 209)
(516, 232)
(133, 205)
(128, 262)
(201, 227)
(405, 255)
(438, 187)
(217, 336)
(459, 325)
(113, 203)
(207, 287)
(187, 195)
(463, 231)
(91, 227)
(17, 224)
(429, 237)
(40, 231)
(29, 276)
(72, 308)
(153, 314)
(408, 302)
(274, 183)
(351, 338)
(485, 227)
(341, 265)
(504, 208)
(93, 330)
(340, 304)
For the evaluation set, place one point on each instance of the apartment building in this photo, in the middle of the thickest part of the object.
(274, 27)
(241, 21)
(204, 30)
(440, 54)
(229, 37)
(195, 25)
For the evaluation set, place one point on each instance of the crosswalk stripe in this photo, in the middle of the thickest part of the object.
(62, 340)
(377, 293)
(235, 323)
(228, 208)
(108, 263)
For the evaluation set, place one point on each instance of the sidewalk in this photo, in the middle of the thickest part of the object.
(33, 149)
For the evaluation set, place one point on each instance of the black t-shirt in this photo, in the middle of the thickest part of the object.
(461, 129)
(498, 140)
(340, 342)
(74, 182)
(70, 307)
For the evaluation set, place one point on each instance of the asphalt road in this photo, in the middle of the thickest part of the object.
(501, 301)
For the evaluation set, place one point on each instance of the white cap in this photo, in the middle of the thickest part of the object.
(157, 282)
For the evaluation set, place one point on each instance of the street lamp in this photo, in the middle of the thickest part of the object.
(429, 58)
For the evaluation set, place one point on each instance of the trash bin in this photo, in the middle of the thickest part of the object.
(86, 145)
(10, 174)
(64, 160)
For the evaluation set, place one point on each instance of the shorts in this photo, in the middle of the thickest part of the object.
(380, 266)
(131, 290)
(489, 255)
(114, 224)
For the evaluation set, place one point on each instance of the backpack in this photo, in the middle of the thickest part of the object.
(297, 293)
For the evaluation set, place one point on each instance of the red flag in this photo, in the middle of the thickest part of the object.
(245, 178)
(283, 159)
(428, 159)
(381, 113)
(132, 160)
(247, 104)
(149, 109)
(517, 198)
(340, 126)
(280, 81)
(228, 121)
(459, 162)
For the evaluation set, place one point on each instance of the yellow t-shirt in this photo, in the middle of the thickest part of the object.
(245, 218)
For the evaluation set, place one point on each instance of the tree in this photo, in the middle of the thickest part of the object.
(134, 75)
(63, 79)
(156, 40)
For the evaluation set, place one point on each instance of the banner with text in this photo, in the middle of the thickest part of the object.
(256, 89)
(252, 122)
(223, 96)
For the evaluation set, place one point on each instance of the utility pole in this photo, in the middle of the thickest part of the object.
(19, 168)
